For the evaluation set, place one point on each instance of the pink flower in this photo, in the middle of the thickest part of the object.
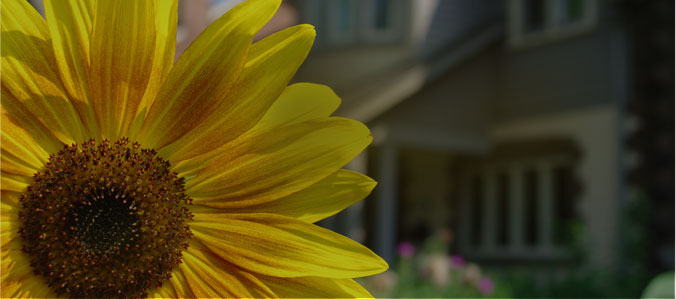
(456, 261)
(485, 285)
(406, 249)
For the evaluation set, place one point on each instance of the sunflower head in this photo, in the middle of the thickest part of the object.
(125, 174)
(105, 220)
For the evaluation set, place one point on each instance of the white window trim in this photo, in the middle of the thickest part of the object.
(519, 39)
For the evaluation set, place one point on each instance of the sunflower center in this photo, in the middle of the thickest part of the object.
(104, 224)
(105, 220)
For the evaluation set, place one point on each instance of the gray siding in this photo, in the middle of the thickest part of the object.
(455, 104)
(500, 84)
(562, 75)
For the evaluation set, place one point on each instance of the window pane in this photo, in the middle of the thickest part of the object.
(564, 205)
(341, 17)
(503, 208)
(530, 206)
(575, 10)
(568, 11)
(477, 204)
(381, 13)
(534, 13)
(345, 14)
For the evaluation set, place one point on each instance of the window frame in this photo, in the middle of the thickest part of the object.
(367, 19)
(552, 31)
(362, 18)
(334, 34)
(516, 246)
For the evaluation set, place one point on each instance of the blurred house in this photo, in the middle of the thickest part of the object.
(501, 120)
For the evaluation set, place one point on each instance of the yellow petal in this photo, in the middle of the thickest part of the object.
(24, 126)
(323, 199)
(20, 153)
(278, 162)
(272, 63)
(122, 50)
(9, 206)
(42, 131)
(9, 224)
(6, 236)
(204, 74)
(166, 17)
(165, 291)
(31, 87)
(18, 280)
(15, 165)
(198, 287)
(14, 183)
(20, 158)
(29, 22)
(30, 287)
(297, 103)
(281, 246)
(315, 287)
(224, 279)
(70, 23)
(179, 284)
(16, 273)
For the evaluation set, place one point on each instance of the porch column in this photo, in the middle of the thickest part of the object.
(385, 232)
(353, 223)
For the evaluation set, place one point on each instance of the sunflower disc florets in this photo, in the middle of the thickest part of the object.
(105, 220)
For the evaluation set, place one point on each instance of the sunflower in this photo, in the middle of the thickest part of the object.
(125, 174)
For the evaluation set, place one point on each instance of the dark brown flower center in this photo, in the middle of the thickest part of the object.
(105, 220)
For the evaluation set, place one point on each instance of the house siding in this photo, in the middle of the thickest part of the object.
(563, 75)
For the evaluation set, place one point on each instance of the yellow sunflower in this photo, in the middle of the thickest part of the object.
(127, 175)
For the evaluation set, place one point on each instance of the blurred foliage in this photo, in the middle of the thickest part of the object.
(661, 286)
(512, 283)
(431, 273)
(627, 278)
(408, 283)
(573, 284)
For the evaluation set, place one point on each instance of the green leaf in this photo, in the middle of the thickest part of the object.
(661, 286)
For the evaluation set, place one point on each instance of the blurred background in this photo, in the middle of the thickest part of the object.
(522, 148)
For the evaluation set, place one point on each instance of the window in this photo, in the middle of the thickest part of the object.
(380, 15)
(530, 205)
(533, 16)
(517, 203)
(476, 204)
(534, 22)
(564, 189)
(381, 20)
(503, 208)
(344, 22)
